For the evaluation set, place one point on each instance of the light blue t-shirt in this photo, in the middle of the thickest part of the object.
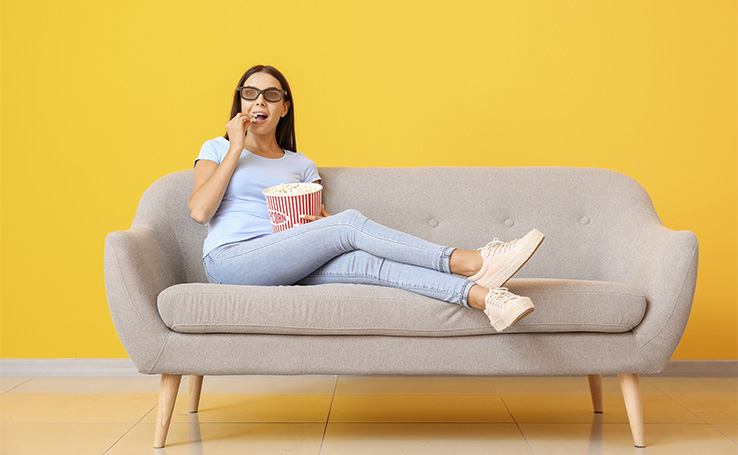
(243, 212)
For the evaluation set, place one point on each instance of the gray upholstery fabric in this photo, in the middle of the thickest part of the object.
(506, 354)
(354, 309)
(600, 225)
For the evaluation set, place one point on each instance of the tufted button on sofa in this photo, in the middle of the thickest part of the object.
(613, 287)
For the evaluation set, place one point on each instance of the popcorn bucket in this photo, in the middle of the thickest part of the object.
(287, 201)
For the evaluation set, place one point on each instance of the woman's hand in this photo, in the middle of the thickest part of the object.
(323, 212)
(236, 129)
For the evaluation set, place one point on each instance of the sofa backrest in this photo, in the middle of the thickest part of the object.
(589, 215)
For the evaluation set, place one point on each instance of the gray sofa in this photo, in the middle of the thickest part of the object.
(613, 287)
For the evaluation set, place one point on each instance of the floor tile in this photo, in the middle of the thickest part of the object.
(617, 439)
(415, 385)
(560, 384)
(271, 385)
(722, 408)
(224, 438)
(695, 385)
(74, 408)
(7, 384)
(729, 430)
(577, 408)
(244, 408)
(425, 439)
(368, 414)
(59, 438)
(418, 408)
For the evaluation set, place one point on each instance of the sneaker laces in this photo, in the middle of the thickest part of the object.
(499, 296)
(496, 247)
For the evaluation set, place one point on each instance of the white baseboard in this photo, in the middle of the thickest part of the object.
(124, 367)
(67, 367)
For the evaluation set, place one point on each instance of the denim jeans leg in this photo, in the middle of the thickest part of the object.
(360, 267)
(288, 256)
(357, 232)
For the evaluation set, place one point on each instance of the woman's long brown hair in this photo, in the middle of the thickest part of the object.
(286, 127)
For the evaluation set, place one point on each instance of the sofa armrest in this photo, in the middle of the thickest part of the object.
(664, 267)
(139, 263)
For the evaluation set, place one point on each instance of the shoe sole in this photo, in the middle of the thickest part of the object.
(502, 323)
(510, 269)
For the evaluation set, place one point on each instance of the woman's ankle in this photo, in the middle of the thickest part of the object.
(465, 262)
(477, 295)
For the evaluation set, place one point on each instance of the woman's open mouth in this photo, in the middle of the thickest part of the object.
(259, 118)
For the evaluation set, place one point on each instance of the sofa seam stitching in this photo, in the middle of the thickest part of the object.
(640, 349)
(161, 350)
(128, 294)
(673, 309)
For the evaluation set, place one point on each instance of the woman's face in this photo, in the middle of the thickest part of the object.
(273, 111)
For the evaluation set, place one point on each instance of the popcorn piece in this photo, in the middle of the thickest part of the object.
(292, 189)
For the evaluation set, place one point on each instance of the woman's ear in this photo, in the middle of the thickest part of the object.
(286, 108)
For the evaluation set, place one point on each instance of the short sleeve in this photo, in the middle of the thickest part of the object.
(209, 151)
(310, 173)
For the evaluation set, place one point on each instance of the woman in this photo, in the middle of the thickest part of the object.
(259, 151)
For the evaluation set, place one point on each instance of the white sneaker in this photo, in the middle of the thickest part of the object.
(501, 260)
(503, 308)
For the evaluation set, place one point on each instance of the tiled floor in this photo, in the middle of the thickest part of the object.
(356, 415)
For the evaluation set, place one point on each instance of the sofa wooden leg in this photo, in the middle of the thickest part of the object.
(595, 389)
(195, 389)
(167, 398)
(630, 385)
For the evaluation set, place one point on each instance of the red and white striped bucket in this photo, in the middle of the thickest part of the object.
(285, 210)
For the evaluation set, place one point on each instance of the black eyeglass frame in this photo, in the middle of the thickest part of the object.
(282, 93)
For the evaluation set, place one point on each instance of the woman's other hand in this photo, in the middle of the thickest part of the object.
(323, 212)
(236, 129)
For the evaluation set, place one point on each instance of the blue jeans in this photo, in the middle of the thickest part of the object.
(343, 248)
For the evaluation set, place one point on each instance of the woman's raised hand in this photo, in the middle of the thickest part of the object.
(236, 129)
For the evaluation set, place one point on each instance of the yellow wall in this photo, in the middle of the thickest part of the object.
(99, 99)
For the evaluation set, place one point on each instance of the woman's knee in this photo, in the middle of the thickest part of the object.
(359, 262)
(352, 215)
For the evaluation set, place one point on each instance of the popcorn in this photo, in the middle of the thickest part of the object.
(292, 189)
(287, 204)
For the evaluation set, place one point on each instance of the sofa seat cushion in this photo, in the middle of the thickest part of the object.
(358, 309)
